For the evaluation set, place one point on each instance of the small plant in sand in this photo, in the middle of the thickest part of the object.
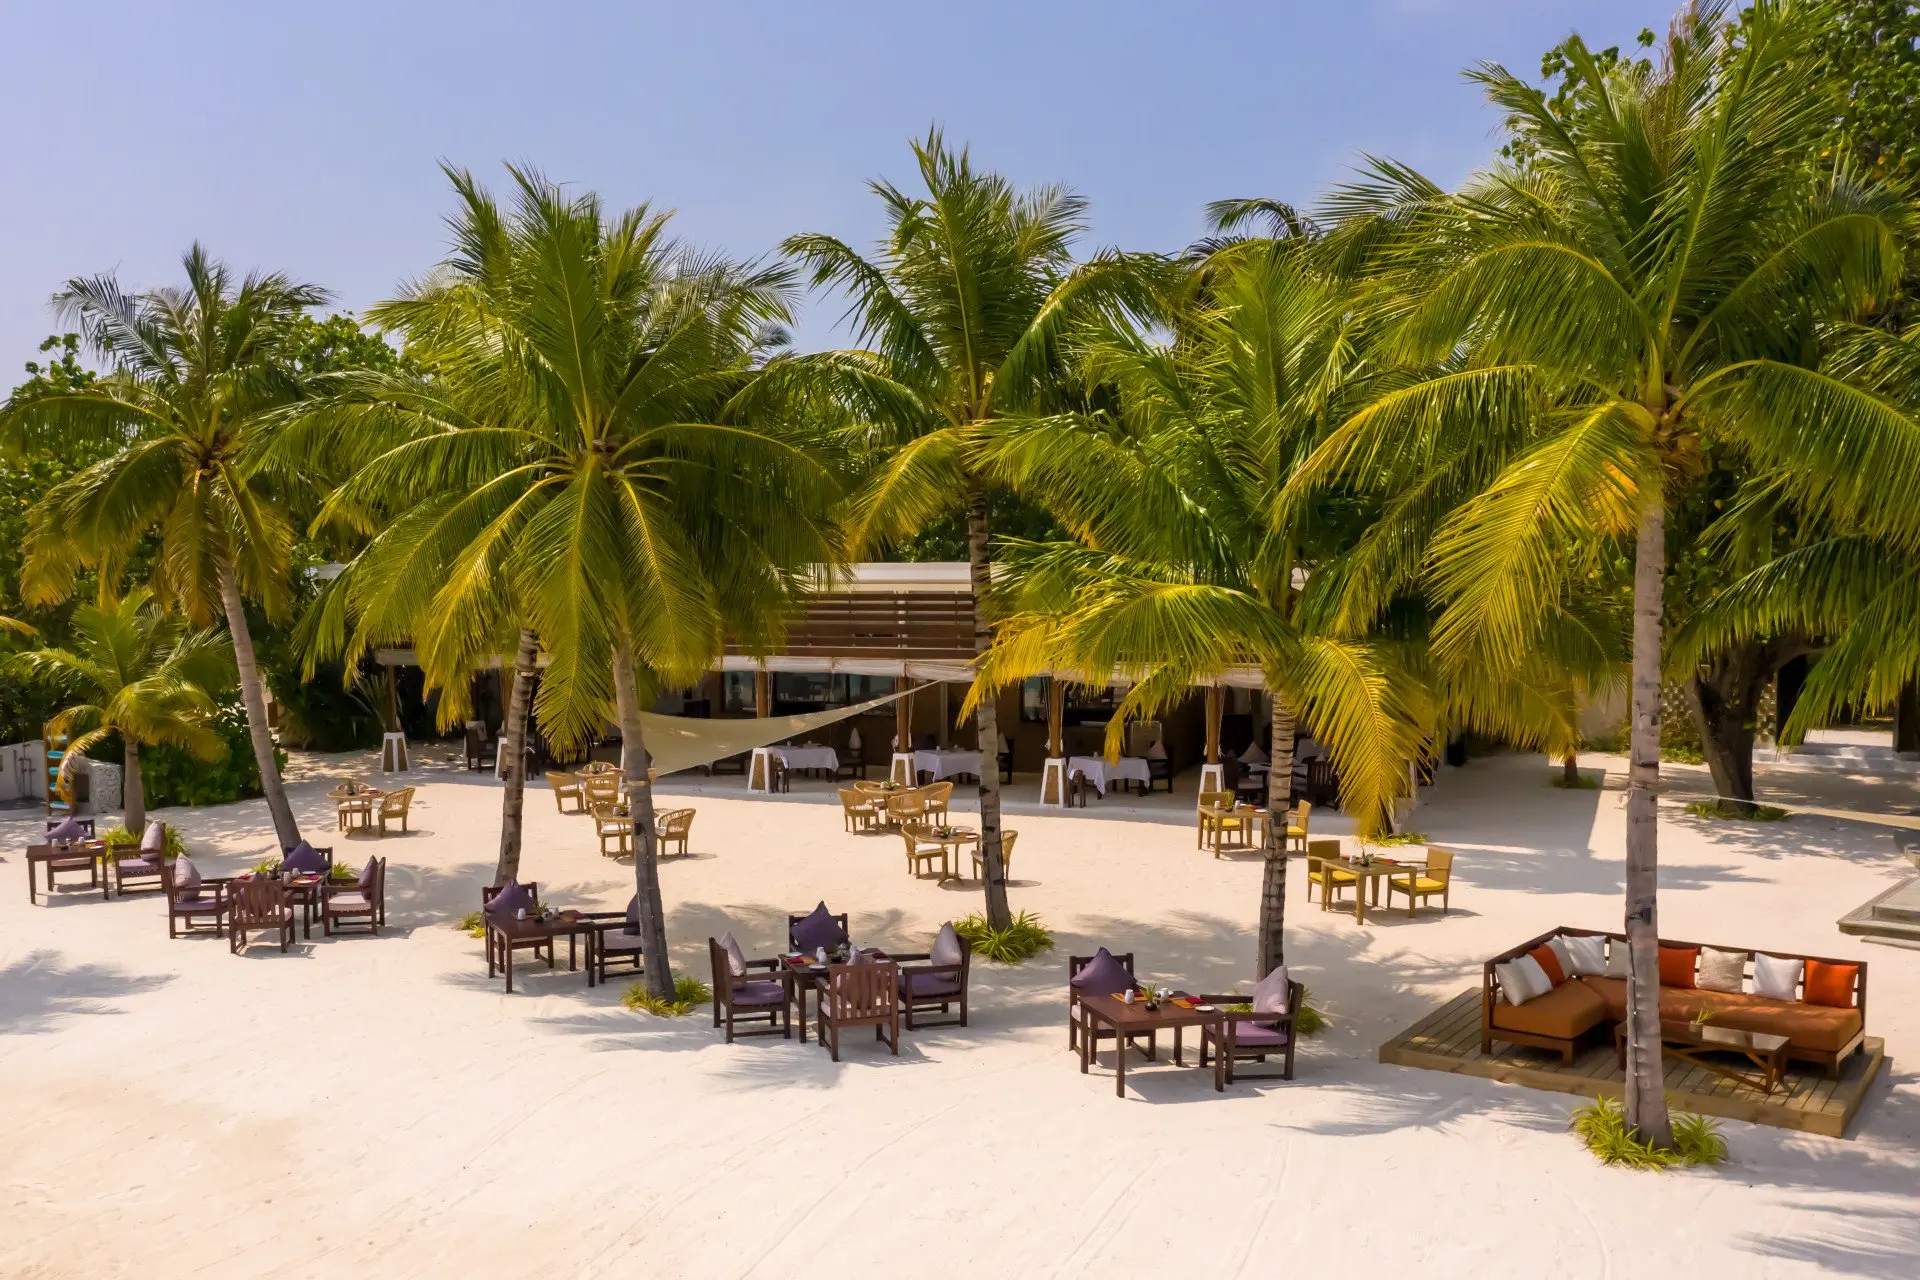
(1729, 811)
(473, 924)
(1602, 1125)
(121, 838)
(689, 993)
(1022, 939)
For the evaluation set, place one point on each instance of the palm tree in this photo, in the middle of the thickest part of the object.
(1188, 563)
(139, 674)
(193, 374)
(962, 310)
(1642, 289)
(579, 468)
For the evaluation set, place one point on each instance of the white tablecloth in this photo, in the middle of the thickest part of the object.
(1100, 773)
(808, 757)
(945, 764)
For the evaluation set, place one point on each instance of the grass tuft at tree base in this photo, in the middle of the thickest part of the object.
(121, 838)
(473, 925)
(1025, 938)
(1400, 838)
(1602, 1125)
(1731, 811)
(689, 993)
(1579, 781)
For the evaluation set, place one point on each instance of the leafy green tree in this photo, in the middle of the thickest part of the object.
(1650, 281)
(193, 375)
(136, 674)
(961, 314)
(581, 468)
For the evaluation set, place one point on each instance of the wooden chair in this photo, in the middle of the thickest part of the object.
(792, 920)
(1321, 857)
(1159, 770)
(497, 944)
(1006, 857)
(758, 995)
(1435, 878)
(673, 826)
(482, 751)
(856, 809)
(259, 904)
(393, 808)
(932, 856)
(84, 823)
(362, 902)
(1074, 965)
(1212, 804)
(616, 941)
(928, 988)
(859, 995)
(613, 828)
(566, 786)
(183, 912)
(139, 867)
(1245, 1036)
(939, 795)
(1322, 785)
(1297, 826)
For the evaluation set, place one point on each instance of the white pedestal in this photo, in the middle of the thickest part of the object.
(393, 753)
(760, 771)
(1213, 777)
(901, 771)
(1053, 783)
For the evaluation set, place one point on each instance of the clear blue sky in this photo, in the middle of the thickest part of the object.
(305, 137)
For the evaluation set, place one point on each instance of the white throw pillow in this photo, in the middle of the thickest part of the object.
(1270, 996)
(1617, 958)
(1777, 977)
(1558, 945)
(1722, 970)
(1522, 980)
(1587, 955)
(946, 946)
(736, 959)
(1253, 755)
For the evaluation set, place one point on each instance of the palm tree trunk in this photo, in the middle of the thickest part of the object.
(986, 720)
(513, 759)
(1646, 1103)
(646, 847)
(253, 697)
(1273, 887)
(133, 792)
(1570, 769)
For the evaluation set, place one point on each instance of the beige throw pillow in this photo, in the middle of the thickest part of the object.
(1588, 955)
(1616, 957)
(1722, 970)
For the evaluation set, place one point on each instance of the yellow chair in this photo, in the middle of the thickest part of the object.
(939, 795)
(1006, 855)
(673, 826)
(600, 787)
(566, 786)
(1206, 817)
(1297, 826)
(615, 829)
(1435, 878)
(856, 809)
(1331, 879)
(919, 859)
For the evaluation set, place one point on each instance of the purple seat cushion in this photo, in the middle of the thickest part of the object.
(929, 985)
(139, 866)
(1258, 1033)
(155, 839)
(818, 929)
(1103, 976)
(68, 829)
(759, 993)
(512, 898)
(305, 859)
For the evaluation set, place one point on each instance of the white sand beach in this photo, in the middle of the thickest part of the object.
(376, 1107)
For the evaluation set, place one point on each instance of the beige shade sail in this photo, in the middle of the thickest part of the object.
(683, 742)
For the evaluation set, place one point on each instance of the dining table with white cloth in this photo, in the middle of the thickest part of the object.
(1101, 774)
(808, 757)
(946, 763)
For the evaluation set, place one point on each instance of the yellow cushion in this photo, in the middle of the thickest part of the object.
(1423, 885)
(1338, 876)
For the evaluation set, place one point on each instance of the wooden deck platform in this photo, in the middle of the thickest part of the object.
(1448, 1039)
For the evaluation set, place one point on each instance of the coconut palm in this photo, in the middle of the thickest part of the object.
(578, 468)
(1187, 564)
(1646, 285)
(139, 674)
(193, 374)
(961, 313)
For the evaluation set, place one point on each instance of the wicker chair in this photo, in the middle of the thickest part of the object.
(859, 995)
(939, 795)
(673, 826)
(599, 788)
(920, 859)
(362, 902)
(566, 786)
(615, 830)
(751, 997)
(856, 809)
(1436, 878)
(393, 808)
(906, 806)
(1332, 880)
(259, 904)
(1006, 856)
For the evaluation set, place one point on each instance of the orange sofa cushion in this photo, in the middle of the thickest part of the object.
(1676, 966)
(1613, 991)
(1543, 955)
(1806, 1026)
(1567, 1012)
(1830, 984)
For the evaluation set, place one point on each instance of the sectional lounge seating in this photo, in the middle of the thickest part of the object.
(1824, 1022)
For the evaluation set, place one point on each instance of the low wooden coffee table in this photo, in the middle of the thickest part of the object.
(1688, 1041)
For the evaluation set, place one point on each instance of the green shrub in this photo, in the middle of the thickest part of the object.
(1728, 811)
(1602, 1125)
(172, 776)
(473, 924)
(689, 993)
(1400, 838)
(1021, 940)
(120, 838)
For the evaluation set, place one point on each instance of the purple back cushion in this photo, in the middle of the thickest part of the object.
(818, 930)
(946, 946)
(367, 873)
(633, 914)
(513, 897)
(305, 859)
(1103, 976)
(186, 877)
(155, 839)
(69, 829)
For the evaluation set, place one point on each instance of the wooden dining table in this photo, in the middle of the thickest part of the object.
(517, 934)
(67, 857)
(1368, 877)
(1128, 1020)
(802, 973)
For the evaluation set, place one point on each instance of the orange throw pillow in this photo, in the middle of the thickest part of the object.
(1543, 954)
(1676, 966)
(1830, 984)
